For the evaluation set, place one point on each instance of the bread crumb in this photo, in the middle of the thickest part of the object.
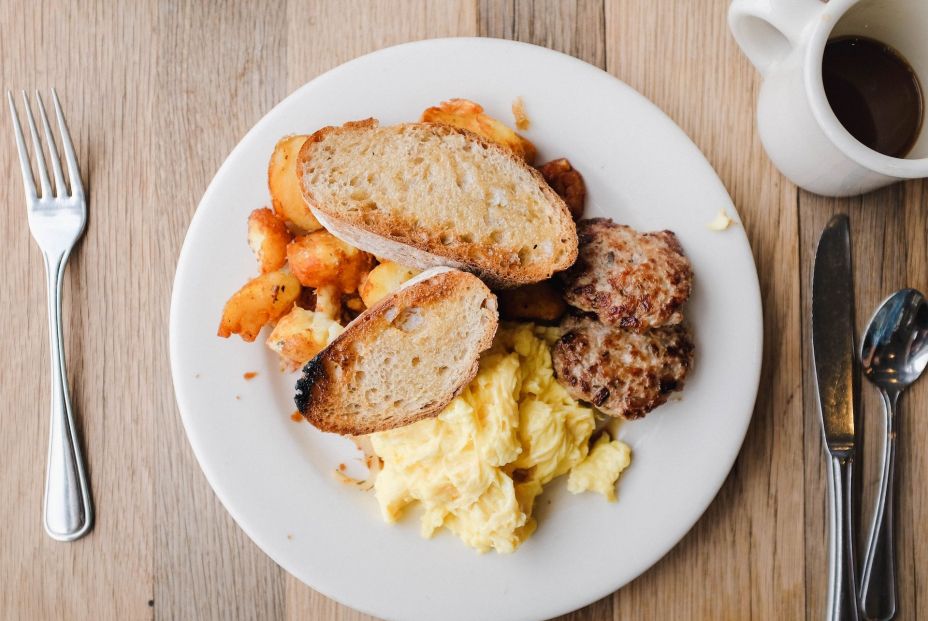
(721, 221)
(296, 417)
(518, 112)
(250, 375)
(238, 397)
(342, 467)
(289, 536)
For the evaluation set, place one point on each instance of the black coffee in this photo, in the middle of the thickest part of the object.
(874, 93)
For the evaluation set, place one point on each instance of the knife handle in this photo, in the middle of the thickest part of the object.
(878, 577)
(842, 583)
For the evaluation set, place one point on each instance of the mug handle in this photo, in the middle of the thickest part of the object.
(767, 30)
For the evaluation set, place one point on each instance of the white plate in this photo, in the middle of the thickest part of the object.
(275, 476)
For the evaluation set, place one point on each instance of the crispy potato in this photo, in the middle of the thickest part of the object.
(284, 185)
(383, 279)
(262, 300)
(320, 259)
(466, 114)
(540, 301)
(300, 335)
(329, 302)
(268, 237)
(568, 183)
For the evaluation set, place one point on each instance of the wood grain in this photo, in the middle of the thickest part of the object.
(158, 92)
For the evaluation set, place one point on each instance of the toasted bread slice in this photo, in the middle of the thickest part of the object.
(427, 194)
(404, 358)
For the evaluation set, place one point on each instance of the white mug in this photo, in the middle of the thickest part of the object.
(785, 40)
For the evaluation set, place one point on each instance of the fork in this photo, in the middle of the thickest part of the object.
(56, 222)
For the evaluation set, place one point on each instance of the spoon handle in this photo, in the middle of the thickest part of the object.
(878, 580)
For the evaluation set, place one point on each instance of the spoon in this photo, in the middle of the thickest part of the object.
(893, 355)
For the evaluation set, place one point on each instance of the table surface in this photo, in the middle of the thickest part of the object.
(158, 93)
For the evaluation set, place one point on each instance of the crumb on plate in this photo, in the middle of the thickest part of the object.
(518, 113)
(721, 221)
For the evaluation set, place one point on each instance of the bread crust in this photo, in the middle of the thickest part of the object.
(492, 264)
(316, 390)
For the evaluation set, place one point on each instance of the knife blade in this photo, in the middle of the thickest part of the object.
(833, 336)
(837, 379)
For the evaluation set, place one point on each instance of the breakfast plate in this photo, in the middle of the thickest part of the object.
(275, 476)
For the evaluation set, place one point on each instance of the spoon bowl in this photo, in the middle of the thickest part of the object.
(894, 352)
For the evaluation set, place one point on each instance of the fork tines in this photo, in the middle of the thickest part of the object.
(74, 177)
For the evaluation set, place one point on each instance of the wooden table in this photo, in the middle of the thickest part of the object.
(158, 93)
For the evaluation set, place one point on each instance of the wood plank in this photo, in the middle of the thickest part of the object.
(107, 296)
(747, 550)
(913, 433)
(321, 36)
(210, 91)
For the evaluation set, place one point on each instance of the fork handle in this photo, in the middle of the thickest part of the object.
(68, 511)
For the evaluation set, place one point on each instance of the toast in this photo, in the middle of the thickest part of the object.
(402, 360)
(428, 194)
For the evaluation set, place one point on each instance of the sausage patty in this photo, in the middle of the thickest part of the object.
(629, 279)
(621, 372)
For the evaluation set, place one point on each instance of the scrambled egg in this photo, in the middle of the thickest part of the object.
(478, 467)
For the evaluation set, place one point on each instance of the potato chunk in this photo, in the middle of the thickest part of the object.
(268, 237)
(568, 183)
(300, 335)
(284, 184)
(540, 301)
(320, 259)
(466, 114)
(384, 279)
(261, 301)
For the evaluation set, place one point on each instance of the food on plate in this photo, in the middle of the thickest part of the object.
(425, 194)
(261, 301)
(382, 280)
(568, 183)
(268, 237)
(622, 372)
(403, 359)
(479, 466)
(465, 114)
(284, 185)
(541, 301)
(518, 114)
(628, 279)
(320, 259)
(454, 411)
(721, 221)
(599, 471)
(301, 334)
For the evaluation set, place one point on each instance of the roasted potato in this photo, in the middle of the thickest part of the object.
(268, 237)
(284, 185)
(568, 183)
(320, 259)
(262, 300)
(466, 114)
(300, 335)
(383, 279)
(329, 302)
(541, 301)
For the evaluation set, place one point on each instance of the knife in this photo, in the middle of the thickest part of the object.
(837, 380)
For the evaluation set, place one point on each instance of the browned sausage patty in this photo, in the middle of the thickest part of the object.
(629, 279)
(621, 372)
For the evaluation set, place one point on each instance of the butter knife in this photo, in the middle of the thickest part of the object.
(837, 381)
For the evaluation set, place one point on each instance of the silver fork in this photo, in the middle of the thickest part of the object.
(56, 222)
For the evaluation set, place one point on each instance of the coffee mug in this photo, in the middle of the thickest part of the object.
(785, 40)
